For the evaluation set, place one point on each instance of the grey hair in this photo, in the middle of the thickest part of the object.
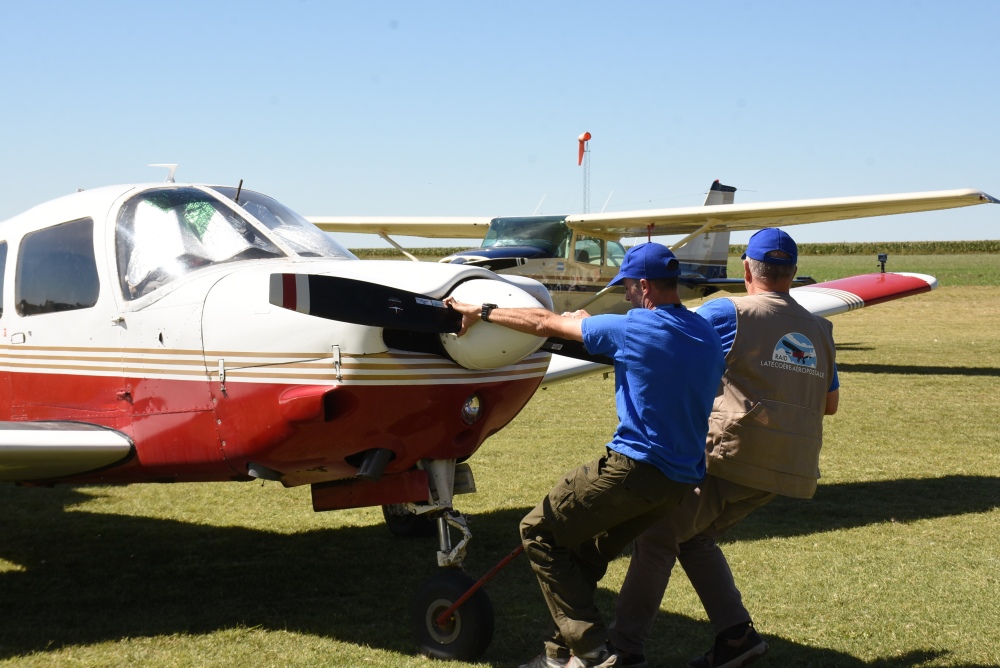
(771, 272)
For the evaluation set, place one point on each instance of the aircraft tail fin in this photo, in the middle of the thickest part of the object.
(708, 253)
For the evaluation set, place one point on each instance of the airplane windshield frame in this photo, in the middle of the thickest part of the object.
(549, 233)
(164, 233)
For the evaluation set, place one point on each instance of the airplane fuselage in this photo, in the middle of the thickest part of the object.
(124, 311)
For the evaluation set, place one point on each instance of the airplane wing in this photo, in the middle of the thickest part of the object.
(683, 220)
(735, 217)
(410, 226)
(44, 450)
(824, 299)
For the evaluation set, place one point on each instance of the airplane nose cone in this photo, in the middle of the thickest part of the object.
(487, 345)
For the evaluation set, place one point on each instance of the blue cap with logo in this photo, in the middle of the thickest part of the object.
(768, 240)
(647, 261)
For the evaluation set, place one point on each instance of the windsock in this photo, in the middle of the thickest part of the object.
(584, 138)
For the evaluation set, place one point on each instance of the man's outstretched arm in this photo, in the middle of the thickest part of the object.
(537, 321)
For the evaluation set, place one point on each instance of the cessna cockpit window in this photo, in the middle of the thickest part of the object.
(165, 233)
(56, 269)
(549, 234)
(301, 236)
(615, 255)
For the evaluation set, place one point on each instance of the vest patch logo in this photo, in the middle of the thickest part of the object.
(797, 349)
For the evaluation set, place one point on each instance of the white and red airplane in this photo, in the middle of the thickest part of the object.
(182, 332)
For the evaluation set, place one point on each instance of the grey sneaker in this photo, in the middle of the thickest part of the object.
(732, 653)
(602, 658)
(545, 661)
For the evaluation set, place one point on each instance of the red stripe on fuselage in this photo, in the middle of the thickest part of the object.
(877, 288)
(289, 298)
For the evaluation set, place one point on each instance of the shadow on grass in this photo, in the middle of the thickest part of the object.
(859, 504)
(678, 639)
(919, 370)
(82, 578)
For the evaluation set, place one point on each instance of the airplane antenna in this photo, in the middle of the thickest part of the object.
(607, 200)
(170, 174)
(583, 157)
(539, 205)
(239, 189)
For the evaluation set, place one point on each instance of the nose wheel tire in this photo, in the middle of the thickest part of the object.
(467, 632)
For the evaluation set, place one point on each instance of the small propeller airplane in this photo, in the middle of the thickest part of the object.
(575, 256)
(164, 332)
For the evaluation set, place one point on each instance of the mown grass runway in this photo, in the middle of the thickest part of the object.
(895, 563)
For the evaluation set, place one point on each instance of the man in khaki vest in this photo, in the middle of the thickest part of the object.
(764, 439)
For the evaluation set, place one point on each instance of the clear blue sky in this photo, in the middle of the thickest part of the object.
(473, 108)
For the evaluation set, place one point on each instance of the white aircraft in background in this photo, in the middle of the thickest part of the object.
(575, 256)
(183, 332)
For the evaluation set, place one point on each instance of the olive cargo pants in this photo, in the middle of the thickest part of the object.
(583, 523)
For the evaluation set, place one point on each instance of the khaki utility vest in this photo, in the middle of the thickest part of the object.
(766, 426)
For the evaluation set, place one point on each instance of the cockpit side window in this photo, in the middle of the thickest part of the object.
(56, 270)
(165, 233)
(615, 254)
(588, 250)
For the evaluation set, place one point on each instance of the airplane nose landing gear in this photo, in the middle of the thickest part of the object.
(465, 633)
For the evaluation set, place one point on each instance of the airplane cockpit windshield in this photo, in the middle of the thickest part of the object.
(547, 233)
(298, 233)
(165, 233)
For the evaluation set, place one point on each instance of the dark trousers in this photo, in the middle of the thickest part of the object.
(687, 534)
(586, 520)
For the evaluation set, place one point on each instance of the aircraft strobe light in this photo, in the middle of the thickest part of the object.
(487, 345)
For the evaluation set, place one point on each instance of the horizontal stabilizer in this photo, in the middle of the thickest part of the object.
(43, 450)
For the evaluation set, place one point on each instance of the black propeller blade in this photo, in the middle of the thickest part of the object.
(574, 349)
(363, 303)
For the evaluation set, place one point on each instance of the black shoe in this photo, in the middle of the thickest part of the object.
(732, 653)
(629, 660)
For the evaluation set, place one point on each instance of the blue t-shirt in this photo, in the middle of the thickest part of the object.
(721, 314)
(668, 365)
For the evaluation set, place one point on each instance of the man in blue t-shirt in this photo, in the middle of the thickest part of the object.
(668, 363)
(764, 440)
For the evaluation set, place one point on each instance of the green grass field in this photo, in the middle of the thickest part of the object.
(894, 564)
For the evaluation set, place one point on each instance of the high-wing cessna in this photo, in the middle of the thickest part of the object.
(181, 332)
(575, 256)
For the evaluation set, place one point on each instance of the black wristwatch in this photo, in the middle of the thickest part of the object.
(487, 309)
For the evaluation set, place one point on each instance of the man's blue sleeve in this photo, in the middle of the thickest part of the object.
(602, 334)
(721, 315)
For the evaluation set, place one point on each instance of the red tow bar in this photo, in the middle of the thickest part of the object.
(442, 619)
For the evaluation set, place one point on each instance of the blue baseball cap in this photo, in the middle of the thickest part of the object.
(646, 261)
(768, 240)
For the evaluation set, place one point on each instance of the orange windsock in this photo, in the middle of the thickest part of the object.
(584, 138)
